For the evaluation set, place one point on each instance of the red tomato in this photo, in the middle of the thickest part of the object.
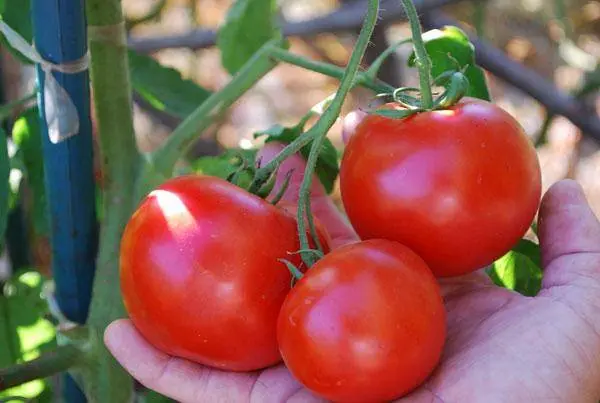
(322, 233)
(200, 273)
(365, 324)
(459, 187)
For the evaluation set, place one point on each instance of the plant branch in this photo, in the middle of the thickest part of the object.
(364, 79)
(107, 381)
(50, 363)
(319, 131)
(345, 18)
(7, 109)
(164, 159)
(422, 58)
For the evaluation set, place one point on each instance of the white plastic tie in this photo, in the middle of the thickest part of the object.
(60, 112)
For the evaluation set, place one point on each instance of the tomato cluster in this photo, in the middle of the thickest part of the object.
(437, 194)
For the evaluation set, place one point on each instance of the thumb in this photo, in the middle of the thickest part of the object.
(568, 229)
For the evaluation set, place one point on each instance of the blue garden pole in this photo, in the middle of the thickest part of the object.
(60, 37)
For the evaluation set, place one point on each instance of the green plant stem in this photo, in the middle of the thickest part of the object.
(363, 79)
(479, 14)
(319, 131)
(7, 109)
(378, 62)
(164, 159)
(50, 363)
(107, 381)
(422, 58)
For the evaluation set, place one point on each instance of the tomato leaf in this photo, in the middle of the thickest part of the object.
(24, 331)
(4, 185)
(249, 24)
(27, 137)
(327, 168)
(222, 166)
(520, 269)
(163, 87)
(16, 13)
(450, 49)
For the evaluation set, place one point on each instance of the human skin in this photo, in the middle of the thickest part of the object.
(501, 346)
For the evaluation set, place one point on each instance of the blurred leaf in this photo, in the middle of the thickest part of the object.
(24, 331)
(327, 168)
(4, 186)
(28, 139)
(150, 396)
(163, 87)
(249, 24)
(520, 269)
(225, 164)
(16, 13)
(450, 49)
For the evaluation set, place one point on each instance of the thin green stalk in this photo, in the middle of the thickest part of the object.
(58, 360)
(378, 62)
(422, 58)
(107, 381)
(363, 79)
(7, 109)
(479, 14)
(185, 134)
(320, 129)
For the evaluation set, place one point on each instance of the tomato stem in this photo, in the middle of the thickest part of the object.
(106, 380)
(324, 124)
(422, 58)
(47, 364)
(373, 70)
(163, 160)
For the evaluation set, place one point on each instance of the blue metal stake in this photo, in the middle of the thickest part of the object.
(60, 36)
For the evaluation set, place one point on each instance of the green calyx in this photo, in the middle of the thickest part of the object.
(456, 86)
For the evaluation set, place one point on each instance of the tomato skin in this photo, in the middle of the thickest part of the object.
(365, 324)
(459, 187)
(200, 275)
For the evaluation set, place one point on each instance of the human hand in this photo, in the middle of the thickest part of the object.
(501, 346)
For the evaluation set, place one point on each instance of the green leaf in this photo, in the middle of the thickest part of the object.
(28, 138)
(450, 49)
(225, 164)
(150, 396)
(249, 24)
(4, 186)
(520, 269)
(327, 168)
(16, 13)
(163, 87)
(24, 331)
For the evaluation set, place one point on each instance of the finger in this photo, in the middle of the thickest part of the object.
(567, 228)
(176, 378)
(339, 229)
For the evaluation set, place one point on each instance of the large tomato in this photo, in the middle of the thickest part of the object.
(459, 187)
(365, 324)
(200, 274)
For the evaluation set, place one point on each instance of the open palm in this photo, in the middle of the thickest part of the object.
(501, 346)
